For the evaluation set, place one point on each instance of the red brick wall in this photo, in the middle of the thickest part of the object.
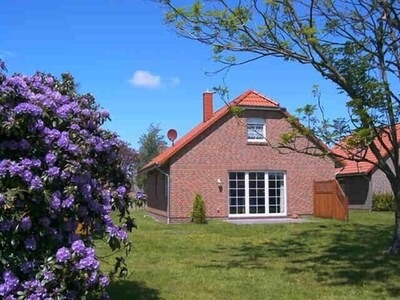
(224, 148)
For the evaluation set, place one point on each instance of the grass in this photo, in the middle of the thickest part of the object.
(323, 259)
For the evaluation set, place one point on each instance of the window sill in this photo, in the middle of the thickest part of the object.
(257, 143)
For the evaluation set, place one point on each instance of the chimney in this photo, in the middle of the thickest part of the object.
(207, 106)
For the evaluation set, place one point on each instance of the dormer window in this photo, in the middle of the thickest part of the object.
(256, 130)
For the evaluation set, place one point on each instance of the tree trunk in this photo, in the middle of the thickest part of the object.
(394, 247)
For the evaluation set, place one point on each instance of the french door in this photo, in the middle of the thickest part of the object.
(257, 194)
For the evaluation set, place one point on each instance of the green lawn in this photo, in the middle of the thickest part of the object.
(323, 259)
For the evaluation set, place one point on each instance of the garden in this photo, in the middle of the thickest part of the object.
(320, 259)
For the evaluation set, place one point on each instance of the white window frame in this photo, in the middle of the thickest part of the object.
(266, 187)
(257, 122)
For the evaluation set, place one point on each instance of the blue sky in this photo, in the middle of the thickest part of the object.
(136, 67)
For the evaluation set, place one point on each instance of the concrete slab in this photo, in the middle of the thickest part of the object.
(265, 221)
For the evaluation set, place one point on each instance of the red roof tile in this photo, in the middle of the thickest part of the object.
(364, 167)
(248, 98)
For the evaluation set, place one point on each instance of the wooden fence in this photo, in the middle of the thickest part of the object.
(330, 201)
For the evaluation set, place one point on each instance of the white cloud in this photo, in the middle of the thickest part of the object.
(145, 79)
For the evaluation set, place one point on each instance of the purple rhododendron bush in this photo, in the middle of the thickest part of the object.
(60, 177)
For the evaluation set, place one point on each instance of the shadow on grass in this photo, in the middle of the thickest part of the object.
(121, 290)
(337, 254)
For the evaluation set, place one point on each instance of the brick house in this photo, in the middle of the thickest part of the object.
(361, 180)
(227, 159)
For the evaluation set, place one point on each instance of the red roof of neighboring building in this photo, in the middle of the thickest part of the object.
(249, 98)
(364, 167)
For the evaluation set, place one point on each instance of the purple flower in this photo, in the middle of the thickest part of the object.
(27, 176)
(68, 202)
(36, 183)
(55, 202)
(36, 163)
(38, 125)
(30, 243)
(15, 169)
(75, 127)
(73, 148)
(103, 281)
(28, 108)
(121, 190)
(10, 283)
(87, 263)
(53, 171)
(48, 275)
(63, 141)
(78, 246)
(26, 223)
(50, 159)
(63, 255)
(1, 199)
(26, 163)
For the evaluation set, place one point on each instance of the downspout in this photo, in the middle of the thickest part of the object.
(168, 193)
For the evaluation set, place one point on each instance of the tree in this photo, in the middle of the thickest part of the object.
(60, 177)
(354, 44)
(151, 144)
(129, 158)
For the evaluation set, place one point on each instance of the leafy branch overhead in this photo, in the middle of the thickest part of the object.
(354, 44)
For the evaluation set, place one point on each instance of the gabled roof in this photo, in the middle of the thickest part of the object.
(249, 98)
(364, 167)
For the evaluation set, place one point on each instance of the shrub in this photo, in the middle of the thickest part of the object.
(383, 202)
(58, 169)
(198, 214)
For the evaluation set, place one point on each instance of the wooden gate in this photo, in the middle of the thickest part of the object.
(330, 201)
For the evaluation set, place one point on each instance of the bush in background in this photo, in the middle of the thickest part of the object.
(383, 202)
(198, 214)
(59, 171)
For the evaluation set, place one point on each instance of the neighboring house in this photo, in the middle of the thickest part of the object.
(227, 160)
(360, 180)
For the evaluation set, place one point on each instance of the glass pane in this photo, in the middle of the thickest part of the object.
(232, 193)
(252, 184)
(241, 192)
(240, 184)
(260, 176)
(252, 176)
(261, 201)
(240, 175)
(241, 210)
(232, 175)
(278, 209)
(252, 192)
(232, 210)
(232, 184)
(272, 209)
(261, 209)
(253, 201)
(240, 201)
(261, 184)
(253, 209)
(233, 201)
